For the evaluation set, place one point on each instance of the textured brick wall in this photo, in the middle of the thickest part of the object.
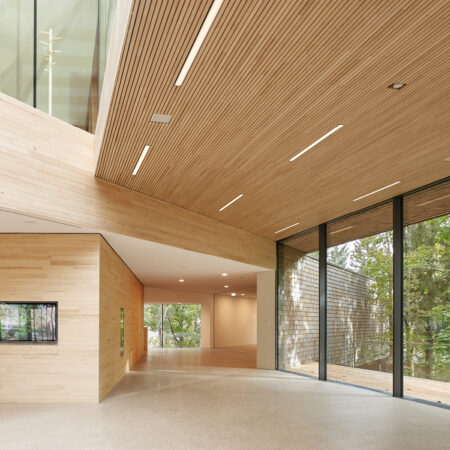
(354, 323)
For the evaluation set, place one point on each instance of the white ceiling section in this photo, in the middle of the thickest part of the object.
(155, 264)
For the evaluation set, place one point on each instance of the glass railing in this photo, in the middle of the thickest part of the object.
(53, 55)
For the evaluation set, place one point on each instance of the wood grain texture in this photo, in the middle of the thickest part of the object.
(46, 170)
(119, 288)
(270, 79)
(52, 268)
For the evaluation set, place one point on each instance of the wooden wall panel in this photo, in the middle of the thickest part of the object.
(46, 170)
(52, 268)
(119, 288)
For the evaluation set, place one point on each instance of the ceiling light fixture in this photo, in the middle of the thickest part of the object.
(160, 118)
(212, 13)
(434, 200)
(378, 190)
(181, 280)
(242, 294)
(316, 142)
(287, 228)
(141, 159)
(396, 85)
(342, 229)
(447, 159)
(233, 294)
(226, 286)
(232, 201)
(224, 274)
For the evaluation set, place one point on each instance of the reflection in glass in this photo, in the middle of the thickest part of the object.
(360, 300)
(426, 295)
(33, 322)
(298, 304)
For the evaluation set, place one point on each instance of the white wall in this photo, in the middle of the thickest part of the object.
(234, 321)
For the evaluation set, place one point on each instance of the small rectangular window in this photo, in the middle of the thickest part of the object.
(28, 322)
(122, 335)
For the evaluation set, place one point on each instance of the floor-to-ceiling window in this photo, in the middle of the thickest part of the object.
(360, 299)
(426, 360)
(298, 304)
(173, 325)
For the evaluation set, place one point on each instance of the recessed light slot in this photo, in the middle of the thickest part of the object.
(212, 13)
(341, 230)
(287, 228)
(141, 159)
(378, 190)
(232, 201)
(160, 118)
(316, 142)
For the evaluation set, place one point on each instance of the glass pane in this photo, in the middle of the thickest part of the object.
(152, 320)
(426, 295)
(34, 322)
(122, 330)
(67, 79)
(359, 284)
(182, 326)
(298, 304)
(16, 49)
(106, 20)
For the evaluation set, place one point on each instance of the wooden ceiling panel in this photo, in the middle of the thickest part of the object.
(270, 79)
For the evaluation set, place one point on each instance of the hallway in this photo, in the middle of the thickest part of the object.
(190, 399)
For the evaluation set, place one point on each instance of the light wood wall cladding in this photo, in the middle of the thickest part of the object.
(46, 170)
(270, 79)
(52, 268)
(119, 288)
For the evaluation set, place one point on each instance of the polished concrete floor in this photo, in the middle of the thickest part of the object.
(186, 399)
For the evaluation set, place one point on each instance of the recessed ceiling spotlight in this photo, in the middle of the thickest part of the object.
(287, 228)
(233, 294)
(224, 274)
(212, 13)
(181, 280)
(396, 85)
(242, 294)
(141, 159)
(447, 159)
(226, 286)
(378, 190)
(232, 201)
(160, 118)
(316, 142)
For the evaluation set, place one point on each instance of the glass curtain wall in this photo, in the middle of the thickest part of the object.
(72, 39)
(426, 295)
(298, 304)
(173, 326)
(360, 299)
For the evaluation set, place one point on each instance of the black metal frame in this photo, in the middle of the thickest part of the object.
(398, 300)
(55, 342)
(323, 301)
(398, 227)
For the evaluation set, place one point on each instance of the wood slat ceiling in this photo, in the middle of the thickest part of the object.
(270, 79)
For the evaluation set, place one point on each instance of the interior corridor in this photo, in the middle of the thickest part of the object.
(190, 398)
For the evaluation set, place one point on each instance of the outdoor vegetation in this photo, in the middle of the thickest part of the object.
(27, 322)
(173, 325)
(426, 296)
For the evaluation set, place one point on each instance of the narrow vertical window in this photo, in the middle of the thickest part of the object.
(122, 334)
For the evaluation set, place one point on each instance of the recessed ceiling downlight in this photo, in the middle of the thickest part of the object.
(160, 118)
(397, 85)
(316, 142)
(212, 13)
(141, 159)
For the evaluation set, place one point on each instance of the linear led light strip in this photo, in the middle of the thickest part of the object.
(141, 159)
(287, 228)
(378, 190)
(212, 13)
(316, 142)
(229, 203)
(434, 200)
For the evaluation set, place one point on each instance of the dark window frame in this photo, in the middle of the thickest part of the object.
(22, 342)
